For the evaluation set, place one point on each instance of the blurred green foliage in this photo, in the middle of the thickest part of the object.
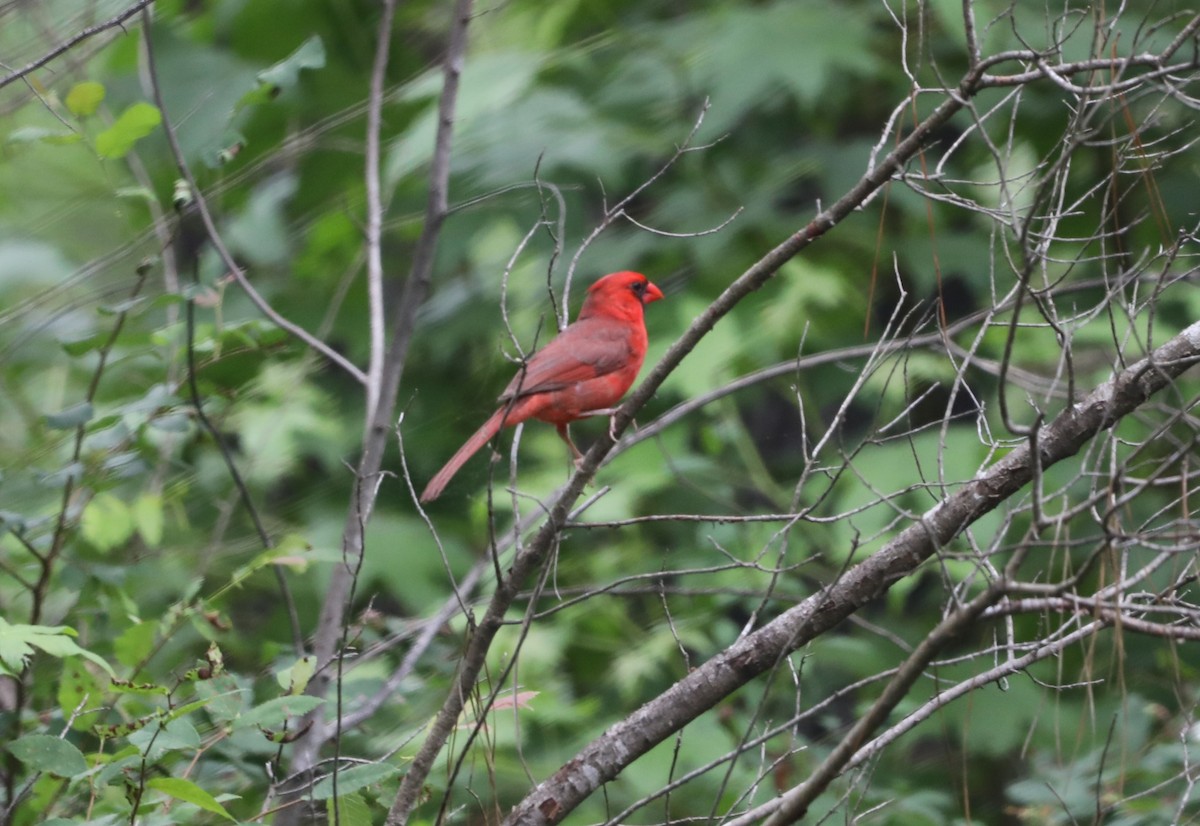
(158, 559)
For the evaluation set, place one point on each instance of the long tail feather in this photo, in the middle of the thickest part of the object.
(438, 483)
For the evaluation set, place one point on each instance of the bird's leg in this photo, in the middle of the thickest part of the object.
(612, 425)
(611, 412)
(566, 437)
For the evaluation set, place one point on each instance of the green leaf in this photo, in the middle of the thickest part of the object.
(85, 98)
(226, 149)
(292, 551)
(799, 49)
(134, 644)
(274, 712)
(41, 134)
(260, 232)
(294, 679)
(125, 464)
(188, 792)
(172, 735)
(80, 694)
(107, 522)
(348, 810)
(84, 344)
(148, 517)
(13, 521)
(225, 701)
(72, 472)
(18, 641)
(135, 123)
(44, 753)
(353, 779)
(172, 423)
(70, 418)
(186, 708)
(285, 73)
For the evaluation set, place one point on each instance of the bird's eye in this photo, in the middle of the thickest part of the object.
(638, 287)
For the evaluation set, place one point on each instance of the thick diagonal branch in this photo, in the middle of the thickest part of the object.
(606, 756)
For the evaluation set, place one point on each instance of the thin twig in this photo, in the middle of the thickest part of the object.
(71, 42)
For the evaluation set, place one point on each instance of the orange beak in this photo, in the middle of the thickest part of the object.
(652, 293)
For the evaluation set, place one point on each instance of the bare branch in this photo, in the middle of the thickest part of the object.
(72, 42)
(374, 227)
(334, 605)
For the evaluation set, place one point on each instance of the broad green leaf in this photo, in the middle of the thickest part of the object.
(107, 522)
(84, 344)
(17, 643)
(348, 810)
(134, 644)
(125, 465)
(156, 397)
(188, 792)
(172, 423)
(173, 735)
(135, 123)
(328, 240)
(288, 549)
(80, 694)
(148, 517)
(71, 417)
(274, 712)
(205, 81)
(13, 521)
(279, 437)
(64, 646)
(42, 134)
(225, 701)
(186, 708)
(85, 98)
(353, 779)
(32, 263)
(285, 73)
(44, 753)
(72, 472)
(799, 49)
(294, 679)
(226, 149)
(107, 432)
(260, 232)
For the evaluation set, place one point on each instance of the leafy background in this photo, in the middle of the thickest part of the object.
(160, 579)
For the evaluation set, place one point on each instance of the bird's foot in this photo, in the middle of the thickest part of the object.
(612, 427)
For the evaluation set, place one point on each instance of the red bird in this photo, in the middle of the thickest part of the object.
(584, 370)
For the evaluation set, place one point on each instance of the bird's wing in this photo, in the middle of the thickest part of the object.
(585, 350)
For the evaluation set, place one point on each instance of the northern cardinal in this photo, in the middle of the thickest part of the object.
(584, 370)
